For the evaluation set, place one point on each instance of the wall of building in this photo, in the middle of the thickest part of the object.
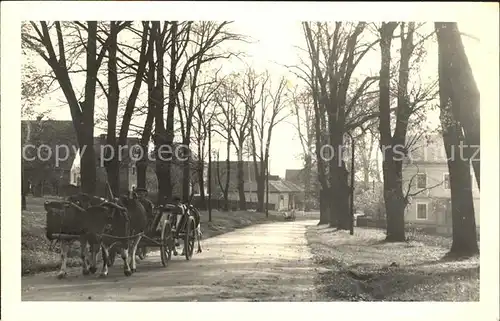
(437, 212)
(435, 176)
(436, 198)
(278, 200)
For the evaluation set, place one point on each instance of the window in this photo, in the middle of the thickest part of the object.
(446, 179)
(133, 170)
(421, 211)
(421, 180)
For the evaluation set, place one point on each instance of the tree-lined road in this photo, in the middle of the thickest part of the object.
(268, 262)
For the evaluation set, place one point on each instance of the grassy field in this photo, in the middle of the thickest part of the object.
(365, 268)
(37, 256)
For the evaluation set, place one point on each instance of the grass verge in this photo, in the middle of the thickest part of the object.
(365, 268)
(38, 256)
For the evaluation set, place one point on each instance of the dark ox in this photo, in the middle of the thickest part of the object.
(123, 223)
(149, 207)
(69, 217)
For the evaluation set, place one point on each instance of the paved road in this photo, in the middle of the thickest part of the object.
(269, 262)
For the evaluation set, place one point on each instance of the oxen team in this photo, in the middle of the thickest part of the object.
(99, 224)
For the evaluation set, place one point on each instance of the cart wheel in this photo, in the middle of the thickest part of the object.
(166, 244)
(111, 257)
(189, 239)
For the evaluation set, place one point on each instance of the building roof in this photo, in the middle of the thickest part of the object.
(297, 175)
(278, 186)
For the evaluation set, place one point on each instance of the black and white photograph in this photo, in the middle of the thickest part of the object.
(274, 157)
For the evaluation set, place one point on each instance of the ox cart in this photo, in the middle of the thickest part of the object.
(166, 227)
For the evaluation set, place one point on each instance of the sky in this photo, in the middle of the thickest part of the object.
(271, 48)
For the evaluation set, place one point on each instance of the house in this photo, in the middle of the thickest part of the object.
(220, 170)
(128, 169)
(425, 170)
(43, 173)
(297, 176)
(283, 194)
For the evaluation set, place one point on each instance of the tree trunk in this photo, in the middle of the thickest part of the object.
(228, 176)
(323, 207)
(462, 204)
(142, 163)
(307, 182)
(164, 193)
(88, 162)
(112, 156)
(186, 171)
(394, 200)
(24, 188)
(113, 173)
(201, 182)
(464, 93)
(260, 177)
(339, 204)
(241, 182)
(172, 99)
(142, 168)
(163, 136)
(87, 154)
(393, 193)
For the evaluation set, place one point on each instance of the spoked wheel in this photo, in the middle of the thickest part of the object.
(189, 238)
(166, 243)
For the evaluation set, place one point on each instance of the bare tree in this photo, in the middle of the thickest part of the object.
(226, 100)
(142, 162)
(335, 55)
(206, 36)
(240, 108)
(82, 112)
(303, 109)
(454, 136)
(307, 73)
(392, 144)
(205, 113)
(112, 163)
(464, 92)
(269, 112)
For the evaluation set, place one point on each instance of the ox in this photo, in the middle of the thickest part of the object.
(149, 208)
(68, 218)
(118, 224)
